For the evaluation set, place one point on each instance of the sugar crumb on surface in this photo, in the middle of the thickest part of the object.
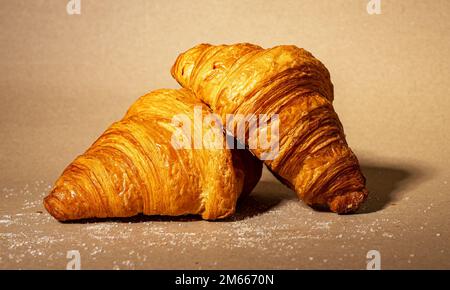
(280, 231)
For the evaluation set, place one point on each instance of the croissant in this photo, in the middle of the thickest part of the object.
(313, 157)
(134, 168)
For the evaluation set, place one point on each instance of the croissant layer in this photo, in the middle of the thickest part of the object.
(134, 168)
(313, 157)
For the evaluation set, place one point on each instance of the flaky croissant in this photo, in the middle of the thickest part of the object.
(244, 79)
(134, 168)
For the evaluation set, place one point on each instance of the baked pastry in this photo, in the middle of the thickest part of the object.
(245, 79)
(134, 168)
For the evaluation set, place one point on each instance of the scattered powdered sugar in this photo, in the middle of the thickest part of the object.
(322, 225)
(273, 229)
(388, 235)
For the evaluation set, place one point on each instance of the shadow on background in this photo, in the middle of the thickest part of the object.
(265, 196)
(386, 184)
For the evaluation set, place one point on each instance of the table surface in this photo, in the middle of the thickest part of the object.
(65, 78)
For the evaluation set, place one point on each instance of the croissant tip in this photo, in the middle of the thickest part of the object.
(348, 203)
(50, 204)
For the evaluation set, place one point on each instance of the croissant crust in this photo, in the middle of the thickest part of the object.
(133, 168)
(314, 158)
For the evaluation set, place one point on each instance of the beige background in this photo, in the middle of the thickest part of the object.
(64, 79)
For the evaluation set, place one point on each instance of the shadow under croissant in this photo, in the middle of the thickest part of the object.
(387, 184)
(265, 196)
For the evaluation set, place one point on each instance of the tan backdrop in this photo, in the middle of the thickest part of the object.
(65, 78)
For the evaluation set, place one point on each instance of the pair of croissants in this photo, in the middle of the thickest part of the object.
(133, 167)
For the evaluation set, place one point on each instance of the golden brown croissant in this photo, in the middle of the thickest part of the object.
(244, 79)
(133, 168)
